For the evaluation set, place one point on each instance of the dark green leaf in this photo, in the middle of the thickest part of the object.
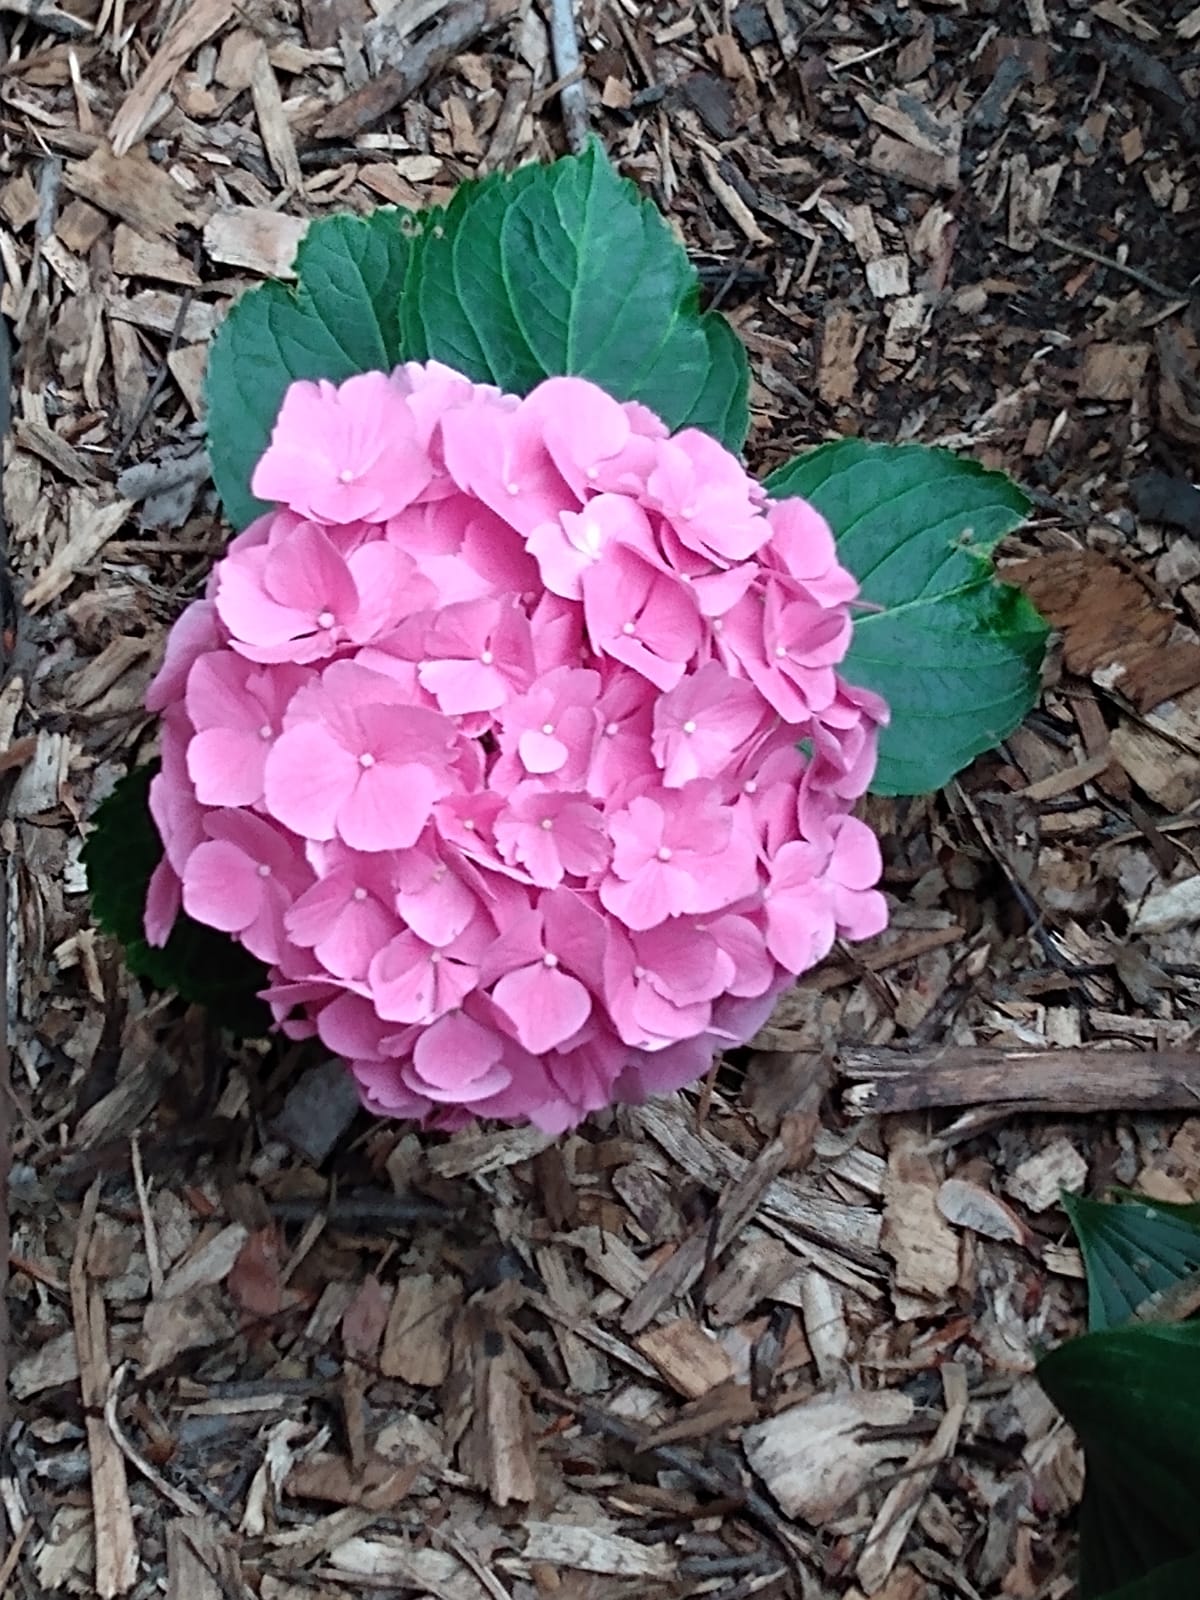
(343, 317)
(956, 655)
(1179, 1580)
(204, 966)
(1132, 1249)
(1133, 1396)
(566, 269)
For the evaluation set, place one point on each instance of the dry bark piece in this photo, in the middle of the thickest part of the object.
(915, 1234)
(253, 237)
(817, 1456)
(689, 1357)
(1031, 192)
(1084, 1078)
(201, 1561)
(1112, 629)
(393, 84)
(132, 188)
(1039, 1181)
(1113, 371)
(196, 24)
(416, 1345)
(841, 345)
(590, 1549)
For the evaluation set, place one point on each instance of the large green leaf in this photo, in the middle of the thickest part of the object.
(341, 317)
(956, 654)
(202, 965)
(1132, 1395)
(550, 270)
(1178, 1580)
(567, 269)
(1132, 1249)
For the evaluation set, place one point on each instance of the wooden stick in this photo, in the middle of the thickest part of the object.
(391, 87)
(1083, 1078)
(567, 69)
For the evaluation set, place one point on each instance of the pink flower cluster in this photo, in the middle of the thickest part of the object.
(486, 742)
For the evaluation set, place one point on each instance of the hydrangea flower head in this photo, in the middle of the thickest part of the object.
(513, 740)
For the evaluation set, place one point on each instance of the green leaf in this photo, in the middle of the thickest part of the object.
(1171, 1582)
(202, 965)
(1132, 1249)
(567, 269)
(549, 270)
(341, 318)
(1133, 1396)
(956, 655)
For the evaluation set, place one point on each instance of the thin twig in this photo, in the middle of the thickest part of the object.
(181, 1501)
(156, 385)
(1135, 273)
(567, 69)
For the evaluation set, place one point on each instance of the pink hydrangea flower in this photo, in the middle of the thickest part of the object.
(513, 740)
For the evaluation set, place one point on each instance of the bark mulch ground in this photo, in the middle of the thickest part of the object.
(774, 1338)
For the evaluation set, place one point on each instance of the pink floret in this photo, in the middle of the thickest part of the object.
(513, 740)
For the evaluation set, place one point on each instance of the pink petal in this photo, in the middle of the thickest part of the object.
(308, 778)
(163, 903)
(541, 752)
(387, 807)
(545, 1005)
(222, 887)
(457, 1059)
(226, 765)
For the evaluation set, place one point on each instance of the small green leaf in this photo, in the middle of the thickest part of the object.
(567, 269)
(956, 655)
(341, 318)
(1132, 1249)
(202, 965)
(1133, 1396)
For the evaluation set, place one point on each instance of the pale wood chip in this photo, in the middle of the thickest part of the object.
(842, 340)
(817, 1456)
(582, 1549)
(687, 1355)
(1038, 1182)
(971, 1206)
(188, 365)
(732, 201)
(1113, 371)
(1031, 194)
(255, 238)
(196, 24)
(91, 523)
(898, 1512)
(115, 1541)
(273, 124)
(402, 1565)
(916, 1236)
(416, 1344)
(132, 188)
(135, 256)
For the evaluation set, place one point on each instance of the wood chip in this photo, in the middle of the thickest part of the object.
(416, 1344)
(132, 188)
(915, 1234)
(815, 1457)
(253, 237)
(1113, 371)
(689, 1357)
(197, 23)
(90, 525)
(1086, 1078)
(1039, 1181)
(841, 345)
(581, 1549)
